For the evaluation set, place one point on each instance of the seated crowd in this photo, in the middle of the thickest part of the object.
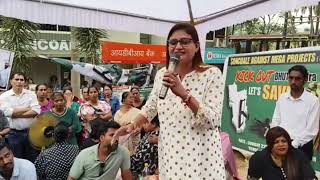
(83, 147)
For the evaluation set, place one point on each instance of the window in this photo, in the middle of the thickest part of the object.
(145, 38)
(51, 27)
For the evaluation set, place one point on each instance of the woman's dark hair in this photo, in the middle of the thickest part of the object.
(61, 132)
(109, 86)
(124, 96)
(66, 89)
(155, 121)
(43, 84)
(191, 30)
(274, 133)
(85, 88)
(57, 94)
(95, 87)
(135, 88)
(290, 163)
(303, 70)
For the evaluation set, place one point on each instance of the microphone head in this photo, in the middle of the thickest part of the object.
(175, 57)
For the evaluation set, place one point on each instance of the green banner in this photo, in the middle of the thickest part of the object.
(253, 84)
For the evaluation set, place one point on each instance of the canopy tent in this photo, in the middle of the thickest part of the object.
(145, 16)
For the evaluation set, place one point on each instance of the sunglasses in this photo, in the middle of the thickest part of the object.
(102, 165)
(182, 41)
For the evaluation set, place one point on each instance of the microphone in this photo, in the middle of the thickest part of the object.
(173, 63)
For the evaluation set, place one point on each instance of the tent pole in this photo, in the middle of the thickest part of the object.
(74, 76)
(190, 12)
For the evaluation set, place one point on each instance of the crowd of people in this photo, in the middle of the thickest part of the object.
(176, 137)
(83, 134)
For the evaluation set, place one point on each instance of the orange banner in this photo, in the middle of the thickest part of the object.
(124, 53)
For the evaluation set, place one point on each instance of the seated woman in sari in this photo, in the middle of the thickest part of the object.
(124, 116)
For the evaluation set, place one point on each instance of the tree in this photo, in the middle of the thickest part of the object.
(18, 36)
(263, 25)
(88, 43)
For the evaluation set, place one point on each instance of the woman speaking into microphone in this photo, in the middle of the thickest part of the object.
(189, 114)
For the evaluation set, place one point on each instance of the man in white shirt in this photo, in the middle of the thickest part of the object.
(297, 111)
(20, 106)
(14, 168)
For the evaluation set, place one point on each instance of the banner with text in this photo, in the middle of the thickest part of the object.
(125, 53)
(217, 55)
(253, 84)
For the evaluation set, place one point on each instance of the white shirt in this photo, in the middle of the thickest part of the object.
(22, 170)
(299, 117)
(9, 100)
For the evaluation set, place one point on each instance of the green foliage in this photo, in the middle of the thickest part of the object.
(18, 36)
(263, 25)
(88, 43)
(317, 10)
(269, 24)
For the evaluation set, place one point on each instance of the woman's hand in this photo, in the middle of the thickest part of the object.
(136, 131)
(122, 131)
(171, 80)
(89, 117)
(106, 116)
(153, 139)
(69, 98)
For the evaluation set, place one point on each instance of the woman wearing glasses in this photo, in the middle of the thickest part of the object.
(189, 141)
